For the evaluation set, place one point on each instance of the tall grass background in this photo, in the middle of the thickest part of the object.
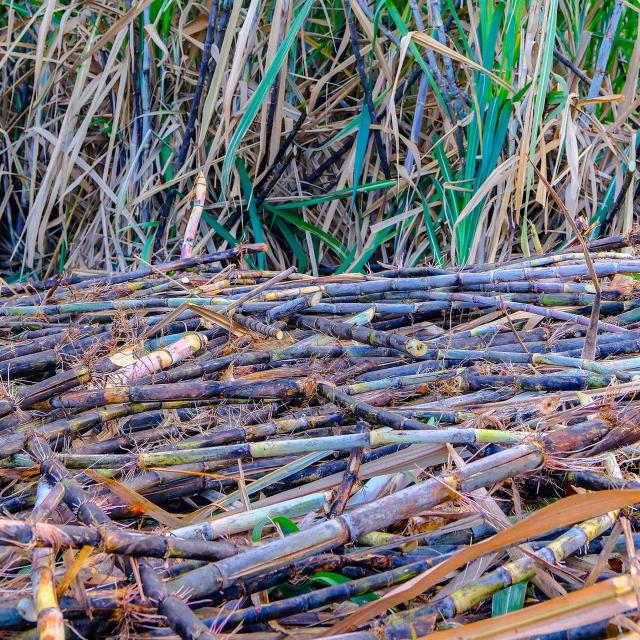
(342, 133)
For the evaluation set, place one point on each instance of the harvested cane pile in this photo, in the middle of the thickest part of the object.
(197, 450)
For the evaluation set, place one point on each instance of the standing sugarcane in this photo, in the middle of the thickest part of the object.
(197, 199)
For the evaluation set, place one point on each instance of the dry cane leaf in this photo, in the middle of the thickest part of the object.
(135, 500)
(73, 568)
(219, 320)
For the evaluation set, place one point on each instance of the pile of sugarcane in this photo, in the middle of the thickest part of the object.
(203, 449)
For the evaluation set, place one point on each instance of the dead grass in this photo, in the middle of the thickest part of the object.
(323, 130)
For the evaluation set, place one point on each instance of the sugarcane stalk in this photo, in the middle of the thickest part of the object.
(374, 338)
(467, 381)
(301, 350)
(381, 416)
(237, 435)
(182, 391)
(179, 350)
(258, 327)
(273, 448)
(168, 482)
(342, 529)
(603, 54)
(34, 345)
(529, 308)
(198, 196)
(208, 364)
(15, 442)
(321, 474)
(183, 621)
(254, 432)
(58, 383)
(463, 279)
(130, 304)
(291, 307)
(322, 597)
(257, 290)
(469, 356)
(46, 536)
(107, 602)
(218, 436)
(245, 521)
(176, 265)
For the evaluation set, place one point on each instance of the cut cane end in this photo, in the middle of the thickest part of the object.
(416, 348)
(309, 387)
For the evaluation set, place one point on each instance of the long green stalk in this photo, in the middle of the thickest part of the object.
(274, 448)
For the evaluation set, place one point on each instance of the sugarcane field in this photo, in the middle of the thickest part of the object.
(319, 319)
